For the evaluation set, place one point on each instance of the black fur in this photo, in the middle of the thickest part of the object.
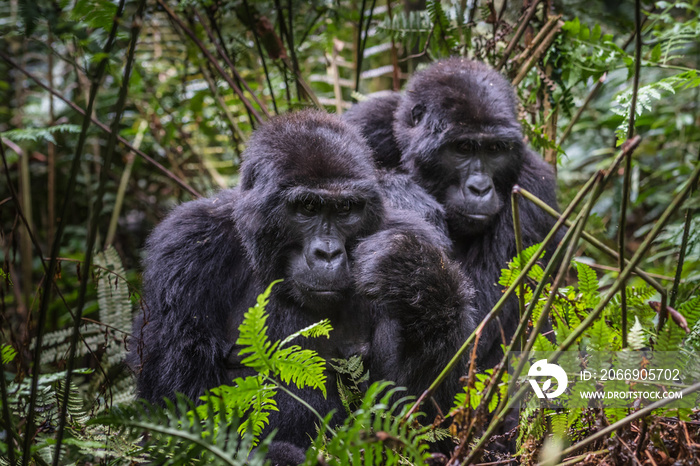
(405, 306)
(371, 117)
(453, 112)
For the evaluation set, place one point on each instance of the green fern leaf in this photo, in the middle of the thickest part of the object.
(442, 26)
(691, 311)
(248, 398)
(8, 354)
(587, 283)
(374, 434)
(253, 335)
(515, 266)
(601, 336)
(179, 436)
(319, 329)
(635, 338)
(304, 368)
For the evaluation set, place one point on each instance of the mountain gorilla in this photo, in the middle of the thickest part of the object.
(456, 128)
(310, 210)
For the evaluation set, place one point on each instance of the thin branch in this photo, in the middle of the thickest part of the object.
(358, 46)
(684, 246)
(608, 268)
(622, 229)
(582, 108)
(363, 42)
(594, 241)
(518, 249)
(518, 34)
(544, 45)
(425, 47)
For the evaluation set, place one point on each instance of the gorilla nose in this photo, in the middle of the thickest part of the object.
(327, 253)
(480, 187)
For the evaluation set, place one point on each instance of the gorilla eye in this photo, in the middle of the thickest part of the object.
(310, 207)
(469, 146)
(344, 207)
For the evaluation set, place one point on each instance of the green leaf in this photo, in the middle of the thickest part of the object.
(572, 27)
(253, 335)
(691, 311)
(319, 329)
(36, 134)
(304, 368)
(177, 434)
(249, 397)
(656, 53)
(8, 354)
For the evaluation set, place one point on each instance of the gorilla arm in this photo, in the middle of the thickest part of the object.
(423, 302)
(194, 274)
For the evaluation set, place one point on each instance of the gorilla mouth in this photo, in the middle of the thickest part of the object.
(475, 216)
(324, 293)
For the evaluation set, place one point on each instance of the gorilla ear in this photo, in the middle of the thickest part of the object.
(417, 113)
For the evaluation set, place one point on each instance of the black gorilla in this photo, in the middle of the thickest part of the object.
(310, 210)
(457, 132)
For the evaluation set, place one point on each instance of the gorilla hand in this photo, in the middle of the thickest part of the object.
(405, 269)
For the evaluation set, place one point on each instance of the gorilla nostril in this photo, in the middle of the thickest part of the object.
(480, 190)
(326, 252)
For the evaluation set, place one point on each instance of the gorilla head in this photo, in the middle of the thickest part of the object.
(308, 193)
(459, 135)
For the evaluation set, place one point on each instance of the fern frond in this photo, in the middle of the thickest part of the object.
(36, 134)
(516, 265)
(253, 335)
(248, 398)
(601, 336)
(588, 284)
(635, 338)
(178, 438)
(319, 329)
(691, 311)
(375, 433)
(304, 368)
(442, 26)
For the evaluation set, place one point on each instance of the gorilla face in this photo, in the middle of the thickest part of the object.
(459, 135)
(327, 227)
(472, 200)
(309, 193)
